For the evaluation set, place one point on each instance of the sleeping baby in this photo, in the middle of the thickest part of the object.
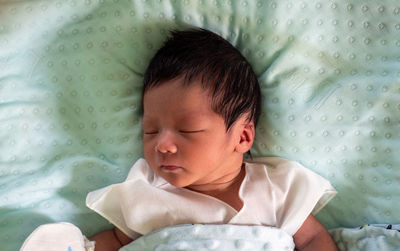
(201, 102)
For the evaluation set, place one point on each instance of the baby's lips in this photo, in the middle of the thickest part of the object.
(170, 167)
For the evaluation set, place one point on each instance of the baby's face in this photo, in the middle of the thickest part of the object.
(184, 140)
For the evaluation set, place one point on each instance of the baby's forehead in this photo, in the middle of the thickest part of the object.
(183, 114)
(188, 100)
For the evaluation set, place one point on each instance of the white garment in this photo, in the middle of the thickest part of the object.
(57, 236)
(275, 192)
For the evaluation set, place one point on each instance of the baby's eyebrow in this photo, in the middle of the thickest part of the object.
(181, 116)
(147, 120)
(193, 119)
(194, 114)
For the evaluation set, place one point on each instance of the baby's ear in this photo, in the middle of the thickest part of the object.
(247, 133)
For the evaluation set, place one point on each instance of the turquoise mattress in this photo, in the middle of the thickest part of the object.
(70, 84)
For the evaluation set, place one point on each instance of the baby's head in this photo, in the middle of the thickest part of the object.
(201, 102)
(202, 56)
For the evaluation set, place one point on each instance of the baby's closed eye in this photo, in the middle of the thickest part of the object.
(149, 132)
(191, 131)
(185, 131)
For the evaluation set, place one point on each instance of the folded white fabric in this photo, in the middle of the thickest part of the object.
(57, 237)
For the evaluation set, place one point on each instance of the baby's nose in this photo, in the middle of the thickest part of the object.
(166, 144)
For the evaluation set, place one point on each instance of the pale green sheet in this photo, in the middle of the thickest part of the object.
(70, 82)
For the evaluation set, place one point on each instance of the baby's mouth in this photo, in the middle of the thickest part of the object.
(170, 168)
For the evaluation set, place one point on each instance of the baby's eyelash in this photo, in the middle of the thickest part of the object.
(195, 131)
(181, 131)
(150, 133)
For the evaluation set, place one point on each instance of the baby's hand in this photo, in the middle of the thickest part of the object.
(110, 240)
(312, 235)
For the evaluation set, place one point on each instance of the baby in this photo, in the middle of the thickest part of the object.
(201, 102)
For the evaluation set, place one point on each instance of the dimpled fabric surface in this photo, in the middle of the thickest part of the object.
(214, 237)
(368, 238)
(70, 83)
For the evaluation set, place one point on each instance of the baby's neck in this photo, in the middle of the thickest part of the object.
(227, 192)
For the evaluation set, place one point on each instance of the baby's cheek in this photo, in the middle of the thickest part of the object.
(148, 150)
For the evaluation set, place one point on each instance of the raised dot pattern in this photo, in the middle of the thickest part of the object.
(334, 107)
(70, 84)
(214, 237)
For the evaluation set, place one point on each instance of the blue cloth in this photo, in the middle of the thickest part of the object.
(369, 238)
(213, 237)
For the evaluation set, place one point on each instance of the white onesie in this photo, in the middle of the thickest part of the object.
(275, 192)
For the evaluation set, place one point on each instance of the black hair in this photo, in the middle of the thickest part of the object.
(199, 54)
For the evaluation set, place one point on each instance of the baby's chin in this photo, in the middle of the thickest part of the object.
(174, 176)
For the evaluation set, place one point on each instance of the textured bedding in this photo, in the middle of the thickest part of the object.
(368, 238)
(70, 84)
(230, 237)
(214, 237)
